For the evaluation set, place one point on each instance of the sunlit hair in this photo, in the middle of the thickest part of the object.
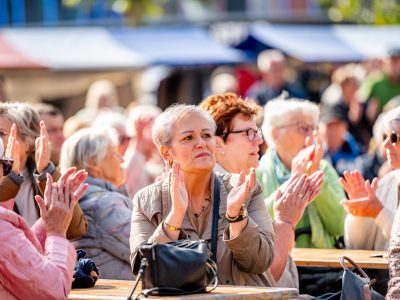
(26, 119)
(224, 107)
(279, 112)
(390, 119)
(88, 145)
(163, 128)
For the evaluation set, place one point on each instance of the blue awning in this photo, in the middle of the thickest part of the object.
(95, 48)
(177, 46)
(320, 43)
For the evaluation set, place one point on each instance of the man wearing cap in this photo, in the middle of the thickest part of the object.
(379, 89)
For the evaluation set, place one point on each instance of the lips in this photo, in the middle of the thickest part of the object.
(202, 154)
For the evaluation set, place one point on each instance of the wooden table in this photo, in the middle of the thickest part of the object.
(330, 257)
(119, 290)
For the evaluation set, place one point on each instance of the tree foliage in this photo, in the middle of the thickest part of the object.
(363, 11)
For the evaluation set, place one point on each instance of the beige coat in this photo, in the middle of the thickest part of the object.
(243, 260)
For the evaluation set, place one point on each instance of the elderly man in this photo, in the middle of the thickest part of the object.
(271, 64)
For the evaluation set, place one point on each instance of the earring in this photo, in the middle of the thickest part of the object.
(222, 152)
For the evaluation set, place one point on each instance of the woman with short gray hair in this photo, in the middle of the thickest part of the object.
(290, 127)
(181, 205)
(106, 203)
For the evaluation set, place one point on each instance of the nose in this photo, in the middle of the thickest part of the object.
(387, 143)
(258, 139)
(201, 143)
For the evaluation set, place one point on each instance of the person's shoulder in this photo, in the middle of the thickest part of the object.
(150, 195)
(393, 177)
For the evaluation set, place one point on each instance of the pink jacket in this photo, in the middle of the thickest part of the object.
(33, 266)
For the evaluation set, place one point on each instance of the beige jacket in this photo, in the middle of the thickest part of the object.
(243, 260)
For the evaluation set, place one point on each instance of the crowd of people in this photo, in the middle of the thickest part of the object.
(292, 173)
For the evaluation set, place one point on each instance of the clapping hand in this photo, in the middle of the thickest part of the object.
(179, 193)
(362, 194)
(13, 148)
(57, 207)
(308, 159)
(42, 151)
(299, 191)
(240, 193)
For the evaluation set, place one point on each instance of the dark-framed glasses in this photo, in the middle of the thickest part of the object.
(7, 164)
(251, 133)
(394, 137)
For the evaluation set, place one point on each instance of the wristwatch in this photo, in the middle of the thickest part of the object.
(241, 216)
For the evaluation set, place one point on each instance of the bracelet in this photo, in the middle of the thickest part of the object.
(287, 222)
(241, 216)
(173, 228)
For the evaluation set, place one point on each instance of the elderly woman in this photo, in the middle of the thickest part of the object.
(238, 140)
(371, 208)
(180, 206)
(19, 128)
(290, 127)
(38, 263)
(105, 204)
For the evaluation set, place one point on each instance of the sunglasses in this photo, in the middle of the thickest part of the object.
(394, 137)
(7, 165)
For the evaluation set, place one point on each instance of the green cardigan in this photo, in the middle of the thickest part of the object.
(325, 216)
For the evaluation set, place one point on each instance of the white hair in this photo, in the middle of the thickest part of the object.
(89, 145)
(279, 112)
(390, 118)
(140, 111)
(265, 58)
(163, 128)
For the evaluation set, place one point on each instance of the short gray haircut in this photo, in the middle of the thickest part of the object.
(87, 145)
(163, 128)
(279, 112)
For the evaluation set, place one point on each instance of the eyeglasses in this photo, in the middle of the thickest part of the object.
(304, 128)
(7, 165)
(394, 137)
(251, 133)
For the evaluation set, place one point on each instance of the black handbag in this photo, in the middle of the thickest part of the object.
(181, 267)
(354, 286)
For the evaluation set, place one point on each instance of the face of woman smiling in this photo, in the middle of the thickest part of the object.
(193, 144)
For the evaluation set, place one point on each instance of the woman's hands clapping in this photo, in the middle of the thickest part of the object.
(59, 200)
(308, 159)
(240, 193)
(363, 201)
(299, 191)
(13, 148)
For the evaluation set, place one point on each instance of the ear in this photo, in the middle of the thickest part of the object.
(275, 133)
(164, 150)
(220, 145)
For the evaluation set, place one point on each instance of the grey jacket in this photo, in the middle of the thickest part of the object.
(243, 260)
(108, 212)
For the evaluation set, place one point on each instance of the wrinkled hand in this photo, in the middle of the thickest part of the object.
(301, 161)
(240, 193)
(13, 148)
(42, 151)
(289, 204)
(57, 214)
(354, 184)
(179, 195)
(368, 206)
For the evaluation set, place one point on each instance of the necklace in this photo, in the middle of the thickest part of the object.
(207, 201)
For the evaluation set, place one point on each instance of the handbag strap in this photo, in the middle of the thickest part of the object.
(214, 232)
